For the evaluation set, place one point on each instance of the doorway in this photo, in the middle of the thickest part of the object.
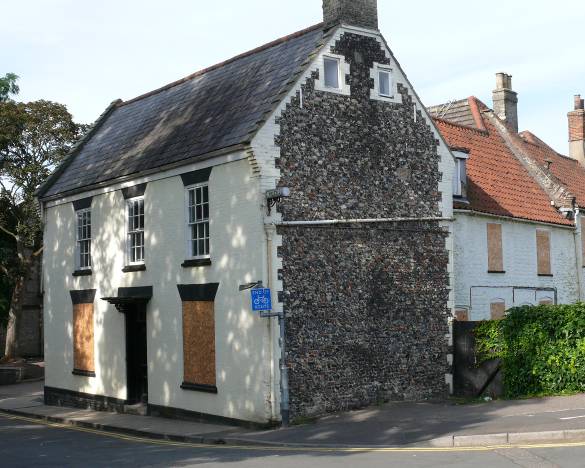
(136, 355)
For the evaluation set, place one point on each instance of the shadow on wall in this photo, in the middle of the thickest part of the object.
(242, 342)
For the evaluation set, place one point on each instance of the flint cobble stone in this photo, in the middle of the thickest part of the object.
(366, 303)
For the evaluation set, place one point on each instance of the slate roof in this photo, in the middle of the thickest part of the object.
(498, 183)
(217, 108)
(459, 112)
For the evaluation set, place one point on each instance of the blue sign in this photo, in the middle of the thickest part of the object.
(261, 301)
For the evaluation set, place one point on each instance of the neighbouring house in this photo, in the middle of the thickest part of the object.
(517, 228)
(167, 208)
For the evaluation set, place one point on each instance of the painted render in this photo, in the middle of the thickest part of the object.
(476, 289)
(237, 240)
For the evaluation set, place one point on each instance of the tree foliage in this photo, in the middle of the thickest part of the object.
(34, 138)
(542, 349)
(8, 86)
(40, 134)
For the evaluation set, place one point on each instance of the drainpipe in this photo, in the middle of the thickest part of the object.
(284, 392)
(269, 234)
(579, 255)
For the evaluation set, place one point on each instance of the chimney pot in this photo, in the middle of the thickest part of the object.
(361, 13)
(579, 103)
(506, 101)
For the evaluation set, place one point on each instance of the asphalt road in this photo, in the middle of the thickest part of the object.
(30, 444)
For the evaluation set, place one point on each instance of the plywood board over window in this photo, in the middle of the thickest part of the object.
(83, 333)
(495, 249)
(497, 310)
(543, 252)
(199, 358)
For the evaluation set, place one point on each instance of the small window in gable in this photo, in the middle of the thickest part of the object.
(460, 174)
(331, 66)
(385, 83)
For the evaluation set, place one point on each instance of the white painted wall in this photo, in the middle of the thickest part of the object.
(476, 289)
(237, 243)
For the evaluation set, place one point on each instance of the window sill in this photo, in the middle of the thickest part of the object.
(199, 387)
(546, 275)
(133, 268)
(496, 272)
(199, 262)
(461, 199)
(82, 273)
(83, 373)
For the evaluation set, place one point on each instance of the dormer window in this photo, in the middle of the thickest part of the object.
(460, 174)
(331, 66)
(385, 83)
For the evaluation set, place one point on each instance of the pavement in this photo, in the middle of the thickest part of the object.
(423, 424)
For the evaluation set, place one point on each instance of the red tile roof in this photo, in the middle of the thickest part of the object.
(498, 183)
(565, 169)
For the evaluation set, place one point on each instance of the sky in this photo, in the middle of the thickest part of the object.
(86, 54)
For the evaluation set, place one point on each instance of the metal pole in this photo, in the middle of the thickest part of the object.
(284, 404)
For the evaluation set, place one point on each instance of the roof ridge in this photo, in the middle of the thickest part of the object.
(543, 145)
(261, 48)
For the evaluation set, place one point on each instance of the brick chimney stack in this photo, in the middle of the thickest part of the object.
(577, 131)
(506, 101)
(362, 13)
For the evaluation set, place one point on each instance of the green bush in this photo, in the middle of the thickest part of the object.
(542, 349)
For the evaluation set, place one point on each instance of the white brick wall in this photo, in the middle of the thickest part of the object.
(476, 289)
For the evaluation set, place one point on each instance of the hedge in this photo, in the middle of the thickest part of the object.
(542, 349)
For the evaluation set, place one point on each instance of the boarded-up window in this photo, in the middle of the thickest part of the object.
(199, 358)
(495, 251)
(497, 310)
(461, 315)
(543, 252)
(83, 333)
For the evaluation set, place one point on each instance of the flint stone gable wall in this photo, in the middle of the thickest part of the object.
(366, 303)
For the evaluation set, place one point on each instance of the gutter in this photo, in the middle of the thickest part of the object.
(511, 218)
(330, 222)
(157, 170)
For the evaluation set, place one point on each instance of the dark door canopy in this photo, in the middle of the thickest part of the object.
(130, 299)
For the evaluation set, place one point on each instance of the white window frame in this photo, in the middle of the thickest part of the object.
(79, 240)
(334, 60)
(189, 224)
(375, 93)
(129, 232)
(343, 69)
(386, 71)
(460, 158)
